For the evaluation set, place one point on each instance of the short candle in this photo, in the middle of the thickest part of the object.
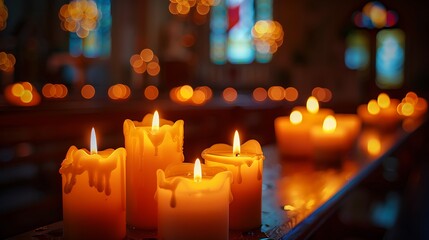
(94, 193)
(193, 202)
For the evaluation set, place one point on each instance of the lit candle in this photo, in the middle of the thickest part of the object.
(293, 135)
(94, 193)
(351, 123)
(381, 113)
(193, 202)
(246, 164)
(312, 113)
(151, 145)
(329, 142)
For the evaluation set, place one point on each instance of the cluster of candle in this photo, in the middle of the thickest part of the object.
(316, 133)
(147, 186)
(386, 113)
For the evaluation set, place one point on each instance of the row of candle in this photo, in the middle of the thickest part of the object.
(316, 133)
(147, 186)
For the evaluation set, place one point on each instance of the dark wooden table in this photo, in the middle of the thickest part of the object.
(298, 194)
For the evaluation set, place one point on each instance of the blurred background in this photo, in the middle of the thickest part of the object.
(220, 65)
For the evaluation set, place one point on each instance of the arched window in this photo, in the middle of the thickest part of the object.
(389, 45)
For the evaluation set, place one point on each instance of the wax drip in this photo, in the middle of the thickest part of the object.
(239, 178)
(100, 184)
(108, 190)
(259, 170)
(91, 178)
(173, 199)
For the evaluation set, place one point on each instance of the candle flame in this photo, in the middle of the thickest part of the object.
(312, 105)
(373, 107)
(197, 171)
(93, 146)
(374, 146)
(155, 122)
(236, 146)
(383, 100)
(329, 124)
(295, 117)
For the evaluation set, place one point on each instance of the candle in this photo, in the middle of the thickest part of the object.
(151, 144)
(352, 124)
(312, 113)
(292, 134)
(381, 113)
(246, 164)
(193, 207)
(94, 193)
(329, 142)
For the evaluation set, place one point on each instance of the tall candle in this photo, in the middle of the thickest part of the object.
(193, 202)
(151, 145)
(94, 193)
(246, 164)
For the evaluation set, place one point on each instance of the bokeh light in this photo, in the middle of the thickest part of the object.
(119, 92)
(260, 94)
(374, 15)
(295, 117)
(373, 107)
(3, 15)
(151, 92)
(22, 94)
(276, 93)
(383, 100)
(322, 94)
(183, 7)
(188, 95)
(186, 92)
(7, 62)
(146, 61)
(87, 91)
(291, 94)
(267, 36)
(50, 90)
(229, 94)
(79, 16)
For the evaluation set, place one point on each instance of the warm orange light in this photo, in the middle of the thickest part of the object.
(373, 146)
(198, 97)
(276, 93)
(151, 92)
(312, 105)
(26, 96)
(373, 107)
(146, 54)
(411, 97)
(407, 109)
(197, 171)
(87, 91)
(383, 100)
(259, 94)
(155, 122)
(329, 124)
(236, 146)
(295, 117)
(17, 89)
(291, 94)
(186, 92)
(93, 146)
(229, 94)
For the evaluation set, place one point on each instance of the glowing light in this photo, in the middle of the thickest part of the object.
(155, 122)
(146, 61)
(322, 94)
(197, 171)
(79, 16)
(198, 97)
(383, 100)
(22, 94)
(260, 94)
(87, 91)
(312, 105)
(373, 107)
(407, 109)
(7, 60)
(268, 36)
(374, 14)
(329, 124)
(119, 92)
(411, 97)
(236, 145)
(3, 15)
(291, 94)
(93, 147)
(26, 96)
(295, 117)
(17, 89)
(373, 146)
(229, 94)
(146, 55)
(151, 92)
(276, 93)
(186, 92)
(289, 208)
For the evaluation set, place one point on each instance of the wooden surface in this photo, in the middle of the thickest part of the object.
(309, 191)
